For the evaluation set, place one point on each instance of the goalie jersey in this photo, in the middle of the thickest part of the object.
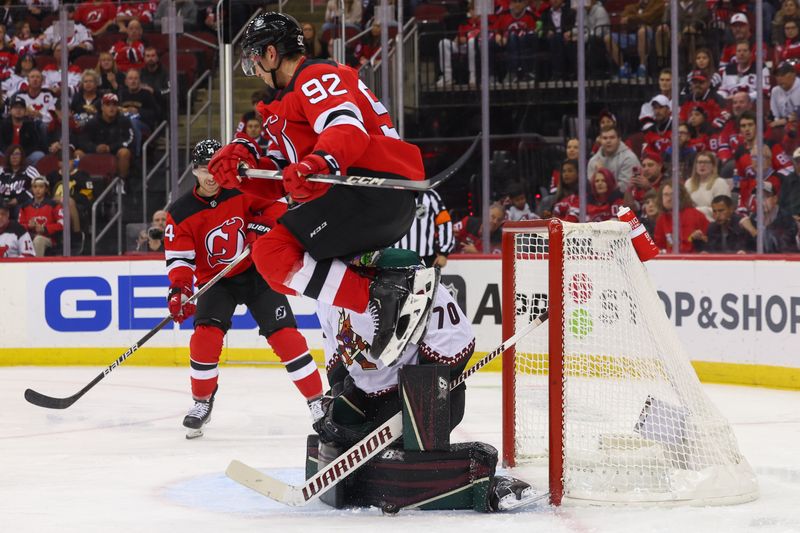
(449, 340)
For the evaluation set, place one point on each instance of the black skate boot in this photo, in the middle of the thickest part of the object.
(198, 416)
(509, 493)
(400, 302)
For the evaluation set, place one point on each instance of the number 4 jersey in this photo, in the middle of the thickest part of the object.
(449, 340)
(204, 235)
(327, 109)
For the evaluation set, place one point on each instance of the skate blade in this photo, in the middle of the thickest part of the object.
(416, 307)
(528, 497)
(194, 433)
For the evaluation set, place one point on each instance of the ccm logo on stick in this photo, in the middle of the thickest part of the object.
(364, 180)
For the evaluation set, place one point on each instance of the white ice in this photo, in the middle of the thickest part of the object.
(117, 460)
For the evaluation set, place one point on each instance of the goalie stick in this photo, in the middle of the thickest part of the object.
(49, 402)
(359, 454)
(372, 181)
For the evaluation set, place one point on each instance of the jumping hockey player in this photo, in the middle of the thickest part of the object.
(325, 120)
(366, 393)
(206, 230)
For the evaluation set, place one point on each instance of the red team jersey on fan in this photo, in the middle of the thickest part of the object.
(204, 235)
(326, 107)
(94, 16)
(128, 56)
(47, 213)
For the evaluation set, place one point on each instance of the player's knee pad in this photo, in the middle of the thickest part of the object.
(205, 345)
(276, 255)
(288, 344)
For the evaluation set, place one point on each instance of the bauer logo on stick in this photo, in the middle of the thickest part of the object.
(225, 242)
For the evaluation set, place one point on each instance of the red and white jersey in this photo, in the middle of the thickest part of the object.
(8, 60)
(45, 103)
(348, 335)
(95, 16)
(141, 11)
(52, 78)
(327, 108)
(47, 213)
(13, 83)
(128, 56)
(780, 161)
(25, 46)
(567, 209)
(15, 241)
(80, 37)
(204, 235)
(507, 23)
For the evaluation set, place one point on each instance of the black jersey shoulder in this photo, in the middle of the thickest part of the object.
(307, 63)
(189, 204)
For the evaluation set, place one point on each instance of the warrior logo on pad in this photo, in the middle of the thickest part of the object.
(225, 242)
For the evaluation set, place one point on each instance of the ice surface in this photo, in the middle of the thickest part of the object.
(117, 460)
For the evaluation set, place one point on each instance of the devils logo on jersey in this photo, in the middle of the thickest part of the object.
(225, 242)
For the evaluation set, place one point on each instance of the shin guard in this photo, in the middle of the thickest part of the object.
(205, 348)
(425, 398)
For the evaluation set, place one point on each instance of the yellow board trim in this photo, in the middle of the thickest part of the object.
(709, 372)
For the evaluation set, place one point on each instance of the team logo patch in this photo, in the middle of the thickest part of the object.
(225, 242)
(280, 313)
(350, 347)
(421, 211)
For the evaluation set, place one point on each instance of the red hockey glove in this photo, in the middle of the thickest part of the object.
(224, 166)
(254, 231)
(179, 294)
(295, 183)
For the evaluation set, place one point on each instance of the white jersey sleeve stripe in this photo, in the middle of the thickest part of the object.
(345, 113)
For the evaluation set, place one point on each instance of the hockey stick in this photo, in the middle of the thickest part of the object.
(42, 400)
(371, 181)
(359, 454)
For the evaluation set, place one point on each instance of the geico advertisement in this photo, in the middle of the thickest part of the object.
(724, 311)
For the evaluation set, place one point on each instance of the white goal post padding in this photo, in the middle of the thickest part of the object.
(625, 419)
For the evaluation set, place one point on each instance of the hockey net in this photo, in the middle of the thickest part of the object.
(608, 397)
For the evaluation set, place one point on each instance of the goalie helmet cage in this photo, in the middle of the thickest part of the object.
(609, 390)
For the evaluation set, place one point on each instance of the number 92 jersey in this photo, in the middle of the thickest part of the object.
(326, 108)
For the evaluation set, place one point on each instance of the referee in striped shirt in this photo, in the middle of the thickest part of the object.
(431, 233)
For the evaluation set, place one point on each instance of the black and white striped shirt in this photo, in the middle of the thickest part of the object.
(431, 232)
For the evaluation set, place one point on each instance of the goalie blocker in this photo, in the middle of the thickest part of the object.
(426, 472)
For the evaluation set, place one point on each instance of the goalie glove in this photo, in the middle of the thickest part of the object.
(177, 302)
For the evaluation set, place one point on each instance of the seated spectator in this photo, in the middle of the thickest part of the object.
(41, 102)
(17, 129)
(367, 47)
(790, 187)
(789, 49)
(701, 94)
(109, 133)
(644, 179)
(638, 20)
(658, 133)
(572, 150)
(186, 9)
(650, 212)
(703, 64)
(79, 40)
(558, 26)
(14, 239)
(81, 192)
(86, 103)
(155, 77)
(256, 97)
(664, 89)
(255, 130)
(606, 198)
(99, 16)
(775, 159)
(16, 180)
(692, 223)
(311, 41)
(739, 31)
(742, 73)
(52, 79)
(790, 10)
(566, 203)
(111, 79)
(24, 41)
(515, 32)
(457, 56)
(38, 10)
(686, 152)
(785, 97)
(42, 216)
(615, 156)
(142, 13)
(518, 208)
(725, 233)
(469, 232)
(693, 19)
(724, 144)
(605, 120)
(129, 53)
(780, 228)
(13, 82)
(8, 55)
(705, 184)
(352, 16)
(700, 130)
(151, 240)
(138, 105)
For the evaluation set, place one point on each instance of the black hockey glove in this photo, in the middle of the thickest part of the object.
(344, 422)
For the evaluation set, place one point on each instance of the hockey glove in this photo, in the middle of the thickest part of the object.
(179, 294)
(294, 180)
(224, 166)
(254, 231)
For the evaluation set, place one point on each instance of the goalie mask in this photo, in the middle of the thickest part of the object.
(270, 29)
(204, 151)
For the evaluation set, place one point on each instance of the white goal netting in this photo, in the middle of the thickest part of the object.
(637, 425)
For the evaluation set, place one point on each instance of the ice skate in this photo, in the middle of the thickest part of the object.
(508, 493)
(400, 303)
(198, 416)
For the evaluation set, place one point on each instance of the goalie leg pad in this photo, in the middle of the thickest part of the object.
(425, 398)
(205, 348)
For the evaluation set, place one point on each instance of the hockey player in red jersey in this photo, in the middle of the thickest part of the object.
(206, 230)
(325, 120)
